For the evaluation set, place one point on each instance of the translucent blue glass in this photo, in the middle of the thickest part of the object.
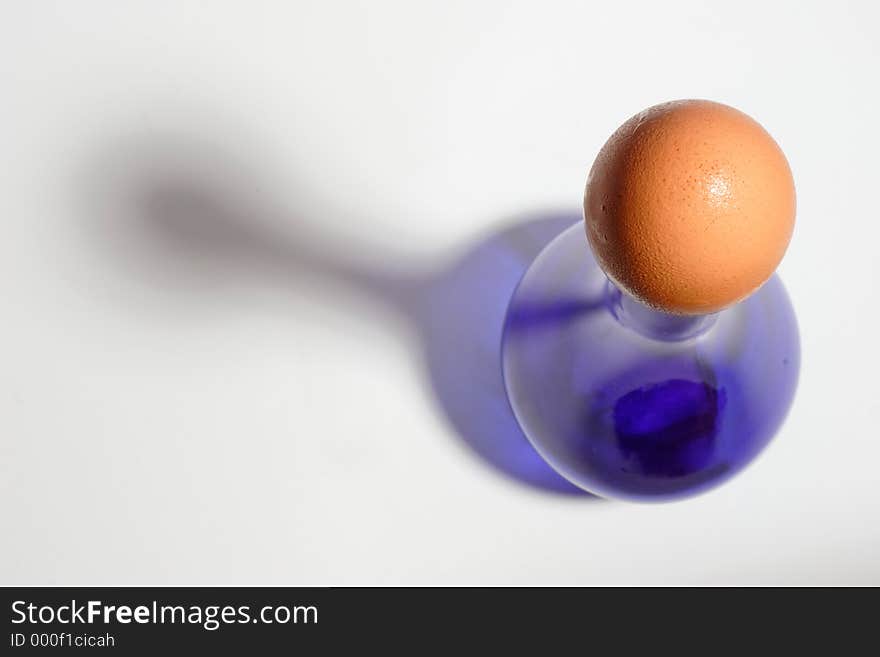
(631, 403)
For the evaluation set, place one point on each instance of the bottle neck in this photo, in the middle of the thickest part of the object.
(653, 323)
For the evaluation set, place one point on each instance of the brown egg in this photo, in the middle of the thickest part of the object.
(690, 206)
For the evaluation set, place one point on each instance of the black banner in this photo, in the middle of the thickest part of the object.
(155, 620)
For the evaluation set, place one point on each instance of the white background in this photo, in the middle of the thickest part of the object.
(184, 407)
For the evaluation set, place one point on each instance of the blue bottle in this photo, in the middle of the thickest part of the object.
(633, 403)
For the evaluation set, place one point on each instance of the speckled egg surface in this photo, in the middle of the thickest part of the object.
(690, 206)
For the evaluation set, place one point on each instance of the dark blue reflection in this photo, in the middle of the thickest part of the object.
(549, 313)
(669, 428)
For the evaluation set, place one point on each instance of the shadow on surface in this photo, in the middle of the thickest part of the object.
(179, 203)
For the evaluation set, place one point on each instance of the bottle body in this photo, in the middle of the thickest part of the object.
(627, 402)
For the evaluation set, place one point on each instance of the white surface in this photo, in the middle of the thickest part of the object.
(166, 418)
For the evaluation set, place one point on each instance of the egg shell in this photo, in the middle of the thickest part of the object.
(690, 206)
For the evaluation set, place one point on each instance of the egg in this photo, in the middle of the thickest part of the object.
(690, 206)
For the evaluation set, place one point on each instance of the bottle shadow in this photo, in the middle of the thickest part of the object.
(177, 207)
